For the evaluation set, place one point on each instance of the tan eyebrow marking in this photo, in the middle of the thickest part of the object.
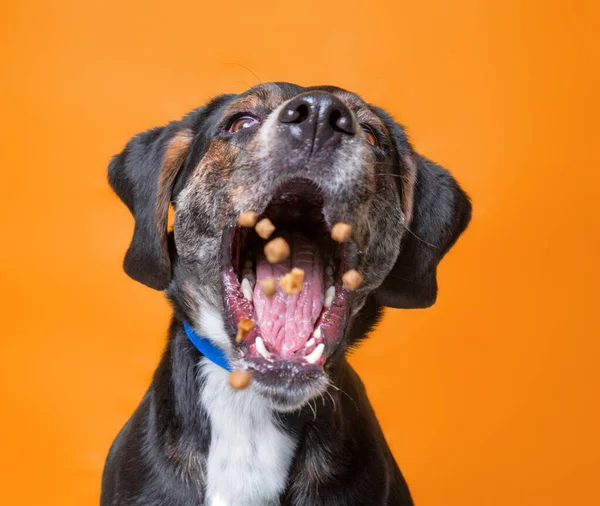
(266, 95)
(177, 150)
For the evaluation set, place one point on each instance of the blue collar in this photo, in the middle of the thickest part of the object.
(207, 348)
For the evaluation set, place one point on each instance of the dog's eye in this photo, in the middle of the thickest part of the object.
(243, 122)
(370, 135)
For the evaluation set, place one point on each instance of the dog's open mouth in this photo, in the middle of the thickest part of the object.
(296, 331)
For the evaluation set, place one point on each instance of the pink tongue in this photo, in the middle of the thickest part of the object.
(287, 321)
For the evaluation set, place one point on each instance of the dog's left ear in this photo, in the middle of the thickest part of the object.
(438, 211)
(143, 175)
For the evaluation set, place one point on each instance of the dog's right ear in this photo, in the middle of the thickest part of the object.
(143, 175)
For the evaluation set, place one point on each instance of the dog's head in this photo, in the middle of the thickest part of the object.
(306, 158)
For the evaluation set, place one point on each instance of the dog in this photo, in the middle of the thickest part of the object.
(303, 433)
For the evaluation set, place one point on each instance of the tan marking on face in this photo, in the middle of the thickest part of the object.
(409, 177)
(265, 96)
(175, 155)
(219, 158)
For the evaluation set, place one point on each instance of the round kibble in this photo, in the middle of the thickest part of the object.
(341, 232)
(247, 219)
(352, 279)
(264, 228)
(277, 250)
(269, 286)
(238, 380)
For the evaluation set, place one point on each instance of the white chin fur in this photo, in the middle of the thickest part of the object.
(210, 324)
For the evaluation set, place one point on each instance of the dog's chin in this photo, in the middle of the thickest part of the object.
(287, 386)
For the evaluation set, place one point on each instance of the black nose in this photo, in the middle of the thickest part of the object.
(319, 117)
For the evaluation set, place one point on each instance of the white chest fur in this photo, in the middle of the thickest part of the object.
(249, 456)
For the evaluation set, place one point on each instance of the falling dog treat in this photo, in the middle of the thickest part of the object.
(268, 286)
(247, 219)
(341, 232)
(352, 279)
(264, 228)
(277, 250)
(244, 326)
(292, 281)
(238, 380)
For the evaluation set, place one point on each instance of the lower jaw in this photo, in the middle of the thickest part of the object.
(323, 341)
(287, 386)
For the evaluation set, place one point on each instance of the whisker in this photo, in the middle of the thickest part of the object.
(332, 400)
(434, 246)
(244, 83)
(342, 391)
(244, 67)
(314, 410)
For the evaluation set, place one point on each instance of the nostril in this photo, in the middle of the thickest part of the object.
(297, 115)
(341, 122)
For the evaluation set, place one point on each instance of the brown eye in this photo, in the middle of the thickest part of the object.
(370, 136)
(243, 122)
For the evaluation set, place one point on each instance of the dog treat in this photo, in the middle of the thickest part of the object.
(264, 228)
(247, 219)
(244, 326)
(292, 281)
(341, 232)
(352, 279)
(277, 250)
(238, 380)
(268, 286)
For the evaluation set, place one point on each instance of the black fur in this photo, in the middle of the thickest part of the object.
(158, 458)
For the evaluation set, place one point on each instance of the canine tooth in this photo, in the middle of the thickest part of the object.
(316, 354)
(328, 301)
(246, 289)
(330, 292)
(261, 348)
(317, 332)
(309, 343)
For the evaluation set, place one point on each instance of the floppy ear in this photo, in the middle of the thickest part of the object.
(143, 175)
(439, 212)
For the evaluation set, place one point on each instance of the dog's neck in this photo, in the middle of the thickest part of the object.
(250, 451)
(236, 445)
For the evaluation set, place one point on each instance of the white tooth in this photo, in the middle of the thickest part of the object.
(261, 348)
(329, 271)
(246, 289)
(309, 343)
(330, 292)
(328, 300)
(317, 333)
(316, 354)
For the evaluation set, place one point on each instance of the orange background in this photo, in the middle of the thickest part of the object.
(490, 398)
